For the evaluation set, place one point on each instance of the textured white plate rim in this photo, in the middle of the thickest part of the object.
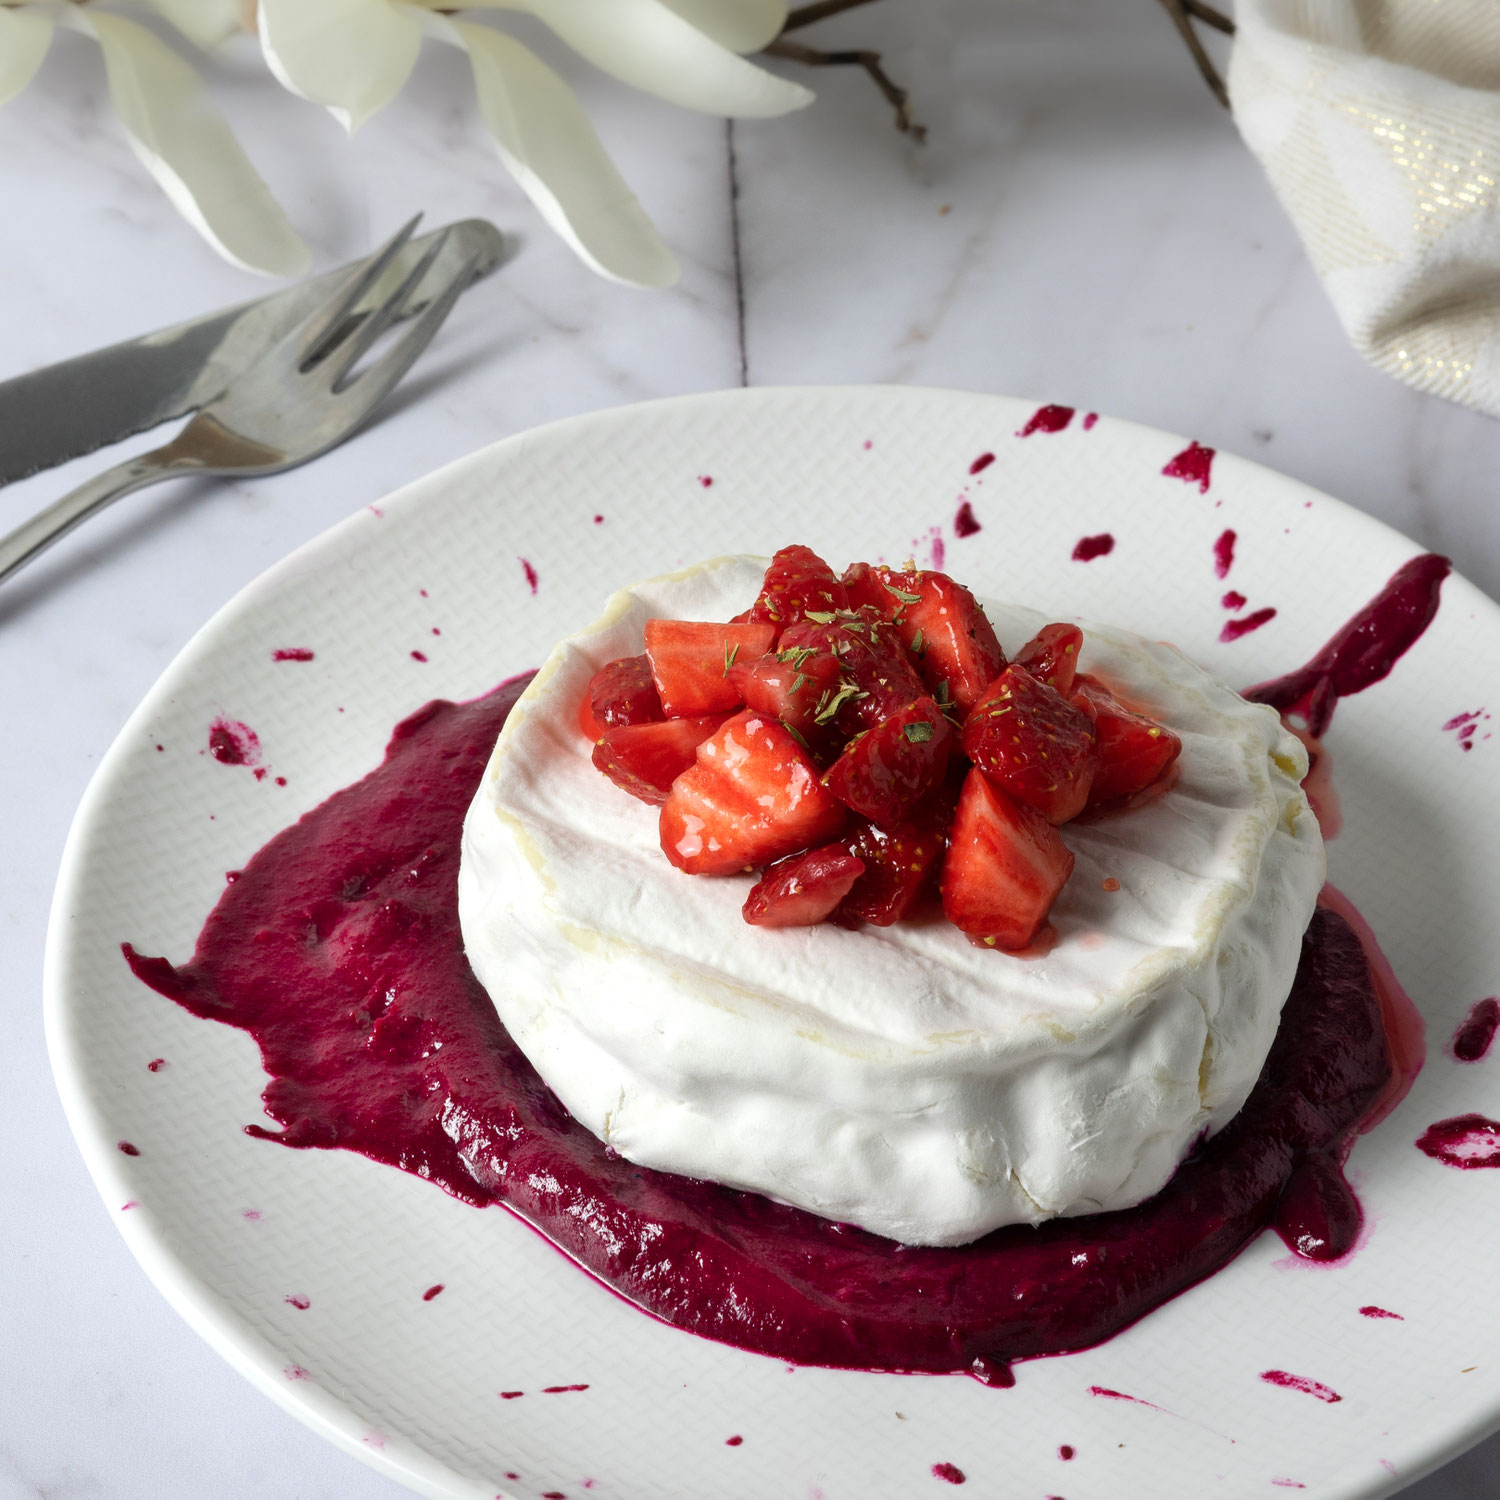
(223, 1328)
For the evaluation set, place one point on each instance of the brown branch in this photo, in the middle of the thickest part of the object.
(820, 10)
(1182, 13)
(1209, 16)
(895, 96)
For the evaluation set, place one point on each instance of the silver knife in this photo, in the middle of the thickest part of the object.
(72, 408)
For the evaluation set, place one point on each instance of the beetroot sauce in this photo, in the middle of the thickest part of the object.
(339, 950)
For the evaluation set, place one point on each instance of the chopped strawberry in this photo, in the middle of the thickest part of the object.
(751, 797)
(1051, 656)
(798, 581)
(645, 759)
(942, 625)
(1134, 752)
(690, 663)
(803, 889)
(788, 685)
(884, 773)
(1037, 746)
(877, 678)
(900, 863)
(1004, 867)
(624, 693)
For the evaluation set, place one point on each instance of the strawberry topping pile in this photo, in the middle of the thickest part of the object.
(860, 739)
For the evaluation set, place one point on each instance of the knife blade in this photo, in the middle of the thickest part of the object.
(65, 410)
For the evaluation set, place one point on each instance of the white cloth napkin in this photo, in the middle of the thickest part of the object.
(1378, 122)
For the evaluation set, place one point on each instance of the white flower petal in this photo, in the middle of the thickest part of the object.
(351, 55)
(205, 23)
(188, 148)
(740, 25)
(547, 143)
(648, 45)
(24, 38)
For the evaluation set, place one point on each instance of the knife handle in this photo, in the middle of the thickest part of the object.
(33, 537)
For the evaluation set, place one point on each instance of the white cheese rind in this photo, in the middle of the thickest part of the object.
(900, 1078)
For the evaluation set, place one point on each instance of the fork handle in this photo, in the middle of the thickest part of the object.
(33, 537)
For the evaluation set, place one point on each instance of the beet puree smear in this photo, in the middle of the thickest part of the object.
(338, 948)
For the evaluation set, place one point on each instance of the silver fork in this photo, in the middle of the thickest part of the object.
(292, 404)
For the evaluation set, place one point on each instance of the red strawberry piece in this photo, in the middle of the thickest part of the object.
(941, 624)
(1134, 752)
(751, 797)
(1038, 747)
(788, 685)
(876, 677)
(645, 759)
(883, 774)
(797, 581)
(1051, 656)
(803, 889)
(900, 863)
(1004, 867)
(624, 692)
(690, 663)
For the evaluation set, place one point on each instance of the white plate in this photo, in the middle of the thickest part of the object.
(231, 1227)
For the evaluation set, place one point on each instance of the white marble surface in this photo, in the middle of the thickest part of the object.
(1082, 226)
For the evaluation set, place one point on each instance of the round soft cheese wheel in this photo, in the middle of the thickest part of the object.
(898, 1078)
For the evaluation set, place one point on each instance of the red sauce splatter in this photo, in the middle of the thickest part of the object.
(966, 523)
(557, 1390)
(1371, 1311)
(1465, 1141)
(419, 656)
(292, 653)
(253, 1214)
(510, 1395)
(868, 445)
(1472, 1039)
(432, 1292)
(733, 1442)
(1233, 600)
(1224, 553)
(706, 480)
(281, 781)
(1047, 419)
(300, 1303)
(1090, 547)
(1089, 420)
(598, 520)
(232, 743)
(126, 1149)
(1465, 726)
(1066, 1452)
(1289, 1484)
(156, 1064)
(1301, 1383)
(1109, 1395)
(230, 876)
(1194, 465)
(436, 630)
(1364, 651)
(295, 1372)
(132, 1204)
(553, 1495)
(1234, 629)
(981, 463)
(530, 572)
(356, 1058)
(950, 1472)
(423, 593)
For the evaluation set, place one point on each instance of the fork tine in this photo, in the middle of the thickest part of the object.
(344, 356)
(371, 384)
(316, 341)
